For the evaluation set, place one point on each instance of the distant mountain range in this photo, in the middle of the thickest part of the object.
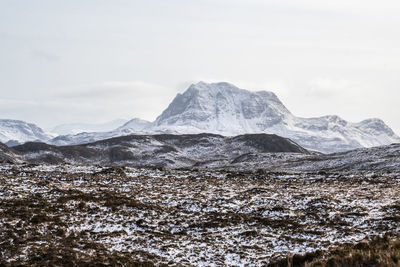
(14, 132)
(76, 128)
(224, 109)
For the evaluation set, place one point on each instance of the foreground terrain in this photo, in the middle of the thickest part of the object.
(131, 216)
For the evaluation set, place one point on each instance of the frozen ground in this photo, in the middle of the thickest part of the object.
(176, 217)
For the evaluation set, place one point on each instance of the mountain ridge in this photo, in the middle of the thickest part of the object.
(249, 152)
(226, 109)
(222, 108)
(164, 150)
(14, 132)
(76, 128)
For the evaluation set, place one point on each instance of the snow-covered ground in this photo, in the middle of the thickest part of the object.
(189, 217)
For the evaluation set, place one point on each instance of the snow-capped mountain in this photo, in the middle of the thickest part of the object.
(135, 124)
(76, 128)
(222, 108)
(14, 132)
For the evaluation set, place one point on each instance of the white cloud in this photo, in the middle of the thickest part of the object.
(92, 103)
(109, 100)
(327, 88)
(319, 57)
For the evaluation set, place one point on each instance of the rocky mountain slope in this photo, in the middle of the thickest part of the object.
(13, 132)
(158, 150)
(6, 155)
(375, 159)
(249, 152)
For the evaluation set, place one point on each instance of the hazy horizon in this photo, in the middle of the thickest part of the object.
(96, 61)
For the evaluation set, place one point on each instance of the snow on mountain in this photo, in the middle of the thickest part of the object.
(158, 150)
(76, 128)
(375, 159)
(243, 152)
(135, 124)
(222, 108)
(13, 132)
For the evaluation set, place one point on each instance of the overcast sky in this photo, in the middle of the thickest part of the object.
(98, 60)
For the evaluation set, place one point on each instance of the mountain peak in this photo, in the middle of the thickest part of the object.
(204, 85)
(20, 131)
(212, 88)
(223, 108)
(225, 87)
(135, 124)
(375, 126)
